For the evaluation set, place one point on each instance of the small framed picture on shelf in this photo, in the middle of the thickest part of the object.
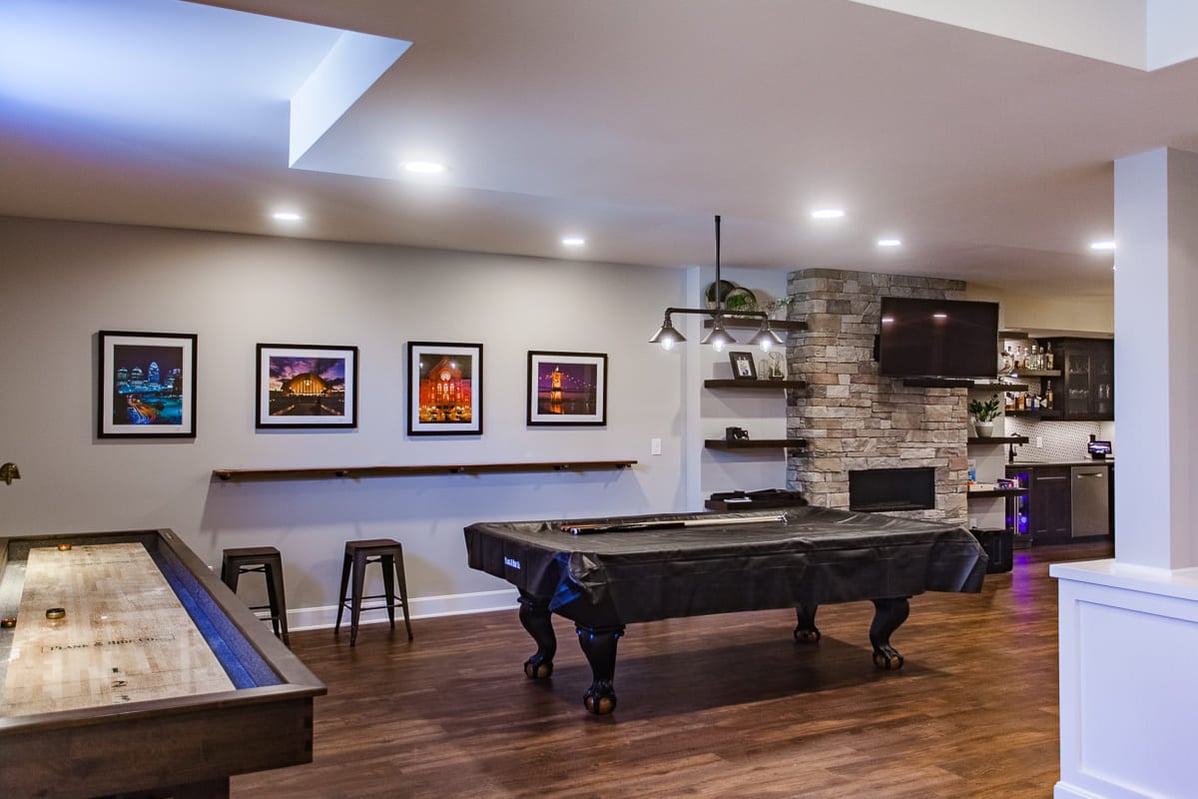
(743, 367)
(567, 388)
(445, 389)
(774, 365)
(147, 385)
(309, 385)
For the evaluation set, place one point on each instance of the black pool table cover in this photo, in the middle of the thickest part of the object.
(775, 558)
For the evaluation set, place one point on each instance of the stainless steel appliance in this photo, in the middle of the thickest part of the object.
(1090, 500)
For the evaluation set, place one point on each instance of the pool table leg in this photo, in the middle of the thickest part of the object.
(805, 631)
(534, 615)
(599, 646)
(888, 615)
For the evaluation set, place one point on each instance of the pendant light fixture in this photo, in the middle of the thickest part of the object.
(719, 337)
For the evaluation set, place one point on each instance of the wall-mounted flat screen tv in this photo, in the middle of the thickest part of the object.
(938, 338)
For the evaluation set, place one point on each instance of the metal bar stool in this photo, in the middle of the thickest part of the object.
(267, 562)
(358, 555)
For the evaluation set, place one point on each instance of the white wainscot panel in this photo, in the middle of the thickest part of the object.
(1128, 650)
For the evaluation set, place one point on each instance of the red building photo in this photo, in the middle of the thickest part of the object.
(446, 388)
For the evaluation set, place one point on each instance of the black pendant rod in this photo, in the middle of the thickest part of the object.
(719, 285)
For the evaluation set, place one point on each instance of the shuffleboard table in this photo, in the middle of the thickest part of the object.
(606, 573)
(127, 667)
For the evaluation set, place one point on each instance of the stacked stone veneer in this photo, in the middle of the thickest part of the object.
(853, 418)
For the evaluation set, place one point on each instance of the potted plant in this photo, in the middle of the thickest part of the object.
(984, 414)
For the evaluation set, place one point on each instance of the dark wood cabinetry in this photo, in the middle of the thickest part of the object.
(1086, 388)
(1048, 511)
(1048, 515)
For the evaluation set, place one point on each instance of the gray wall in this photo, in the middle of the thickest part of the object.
(62, 282)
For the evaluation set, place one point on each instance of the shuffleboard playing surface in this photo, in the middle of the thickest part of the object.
(125, 637)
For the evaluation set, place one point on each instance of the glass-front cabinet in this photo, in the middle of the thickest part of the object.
(1087, 389)
(1065, 378)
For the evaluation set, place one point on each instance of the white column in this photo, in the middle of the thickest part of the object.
(1156, 377)
(1129, 626)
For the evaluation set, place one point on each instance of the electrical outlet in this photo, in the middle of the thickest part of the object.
(655, 446)
(1039, 442)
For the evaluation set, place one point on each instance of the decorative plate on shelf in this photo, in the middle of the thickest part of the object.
(740, 299)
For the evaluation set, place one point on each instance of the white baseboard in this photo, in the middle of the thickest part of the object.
(421, 608)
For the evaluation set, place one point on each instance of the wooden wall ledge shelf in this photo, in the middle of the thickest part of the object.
(755, 443)
(977, 493)
(333, 472)
(997, 440)
(732, 382)
(754, 322)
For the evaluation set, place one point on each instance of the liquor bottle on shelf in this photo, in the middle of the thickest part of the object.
(1048, 390)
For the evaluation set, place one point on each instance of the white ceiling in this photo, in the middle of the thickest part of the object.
(631, 122)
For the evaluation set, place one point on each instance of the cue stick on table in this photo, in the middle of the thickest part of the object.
(615, 527)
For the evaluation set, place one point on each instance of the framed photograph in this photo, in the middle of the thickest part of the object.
(567, 388)
(307, 385)
(743, 367)
(445, 389)
(147, 385)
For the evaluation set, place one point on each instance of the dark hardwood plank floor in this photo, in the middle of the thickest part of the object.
(715, 706)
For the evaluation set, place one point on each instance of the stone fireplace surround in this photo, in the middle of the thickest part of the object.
(855, 419)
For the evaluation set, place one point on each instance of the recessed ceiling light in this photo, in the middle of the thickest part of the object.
(827, 213)
(890, 242)
(573, 241)
(423, 167)
(287, 216)
(1102, 246)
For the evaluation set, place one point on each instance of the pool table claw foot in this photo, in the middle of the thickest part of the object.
(805, 631)
(888, 658)
(600, 698)
(536, 620)
(538, 667)
(889, 614)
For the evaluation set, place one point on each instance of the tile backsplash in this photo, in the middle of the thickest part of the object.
(1061, 441)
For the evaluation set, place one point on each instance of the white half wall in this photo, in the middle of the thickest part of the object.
(1128, 644)
(62, 282)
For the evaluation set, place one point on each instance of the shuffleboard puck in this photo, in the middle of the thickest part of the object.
(56, 613)
(8, 622)
(64, 546)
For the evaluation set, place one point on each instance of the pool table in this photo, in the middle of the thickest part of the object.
(127, 667)
(606, 573)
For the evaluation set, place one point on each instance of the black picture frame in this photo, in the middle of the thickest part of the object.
(566, 389)
(743, 365)
(306, 386)
(445, 389)
(147, 385)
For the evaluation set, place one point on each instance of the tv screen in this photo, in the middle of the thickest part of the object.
(938, 338)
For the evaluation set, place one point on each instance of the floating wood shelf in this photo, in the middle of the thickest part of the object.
(997, 440)
(751, 322)
(755, 443)
(732, 382)
(999, 385)
(1036, 373)
(987, 493)
(332, 472)
(938, 382)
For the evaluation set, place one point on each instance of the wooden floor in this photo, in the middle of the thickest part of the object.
(717, 706)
